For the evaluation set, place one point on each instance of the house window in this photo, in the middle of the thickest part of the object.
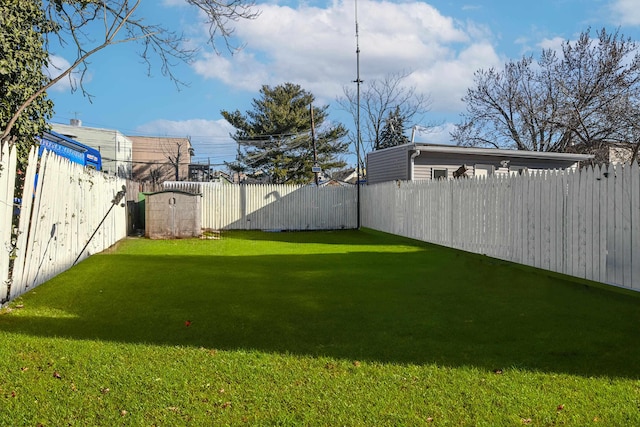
(483, 170)
(517, 170)
(439, 174)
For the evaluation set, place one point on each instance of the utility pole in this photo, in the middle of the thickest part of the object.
(358, 81)
(315, 150)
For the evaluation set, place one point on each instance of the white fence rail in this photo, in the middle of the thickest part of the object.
(584, 223)
(63, 208)
(274, 207)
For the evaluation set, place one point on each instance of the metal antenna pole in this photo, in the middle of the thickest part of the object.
(313, 142)
(358, 81)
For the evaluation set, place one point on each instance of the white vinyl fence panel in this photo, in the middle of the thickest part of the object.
(581, 223)
(61, 210)
(273, 207)
(280, 207)
(7, 183)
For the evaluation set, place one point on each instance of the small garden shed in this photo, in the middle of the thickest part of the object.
(172, 215)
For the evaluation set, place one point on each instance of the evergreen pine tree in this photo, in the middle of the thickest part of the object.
(393, 131)
(274, 139)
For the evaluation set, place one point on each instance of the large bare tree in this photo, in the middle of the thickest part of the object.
(75, 23)
(584, 98)
(178, 153)
(378, 99)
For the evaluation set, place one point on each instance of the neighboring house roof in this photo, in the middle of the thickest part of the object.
(259, 177)
(333, 183)
(346, 175)
(418, 161)
(521, 154)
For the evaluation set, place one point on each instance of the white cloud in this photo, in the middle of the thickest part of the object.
(315, 47)
(471, 7)
(626, 11)
(200, 127)
(553, 44)
(57, 65)
(242, 71)
(210, 138)
(448, 79)
(174, 3)
(435, 135)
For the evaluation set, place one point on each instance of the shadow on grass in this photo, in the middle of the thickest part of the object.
(333, 237)
(420, 307)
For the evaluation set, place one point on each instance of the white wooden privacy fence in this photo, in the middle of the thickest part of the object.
(583, 223)
(63, 218)
(274, 207)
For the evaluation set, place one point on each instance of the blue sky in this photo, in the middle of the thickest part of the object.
(312, 43)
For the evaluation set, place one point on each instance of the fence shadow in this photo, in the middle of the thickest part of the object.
(279, 207)
(326, 237)
(421, 307)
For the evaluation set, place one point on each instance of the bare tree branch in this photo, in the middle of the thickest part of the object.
(72, 22)
(584, 100)
(378, 99)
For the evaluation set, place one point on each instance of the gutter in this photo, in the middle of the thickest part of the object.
(502, 152)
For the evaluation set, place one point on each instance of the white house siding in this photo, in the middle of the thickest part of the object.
(423, 172)
(401, 163)
(425, 165)
(388, 165)
(115, 148)
(427, 162)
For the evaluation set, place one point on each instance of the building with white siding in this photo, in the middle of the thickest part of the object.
(419, 161)
(115, 148)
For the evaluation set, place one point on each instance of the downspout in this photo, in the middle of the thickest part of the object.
(415, 154)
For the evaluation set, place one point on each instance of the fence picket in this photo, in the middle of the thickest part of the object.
(626, 216)
(634, 259)
(7, 184)
(601, 182)
(552, 207)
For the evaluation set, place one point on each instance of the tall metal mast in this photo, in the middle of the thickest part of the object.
(358, 138)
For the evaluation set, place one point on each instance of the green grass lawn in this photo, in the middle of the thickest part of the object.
(319, 328)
